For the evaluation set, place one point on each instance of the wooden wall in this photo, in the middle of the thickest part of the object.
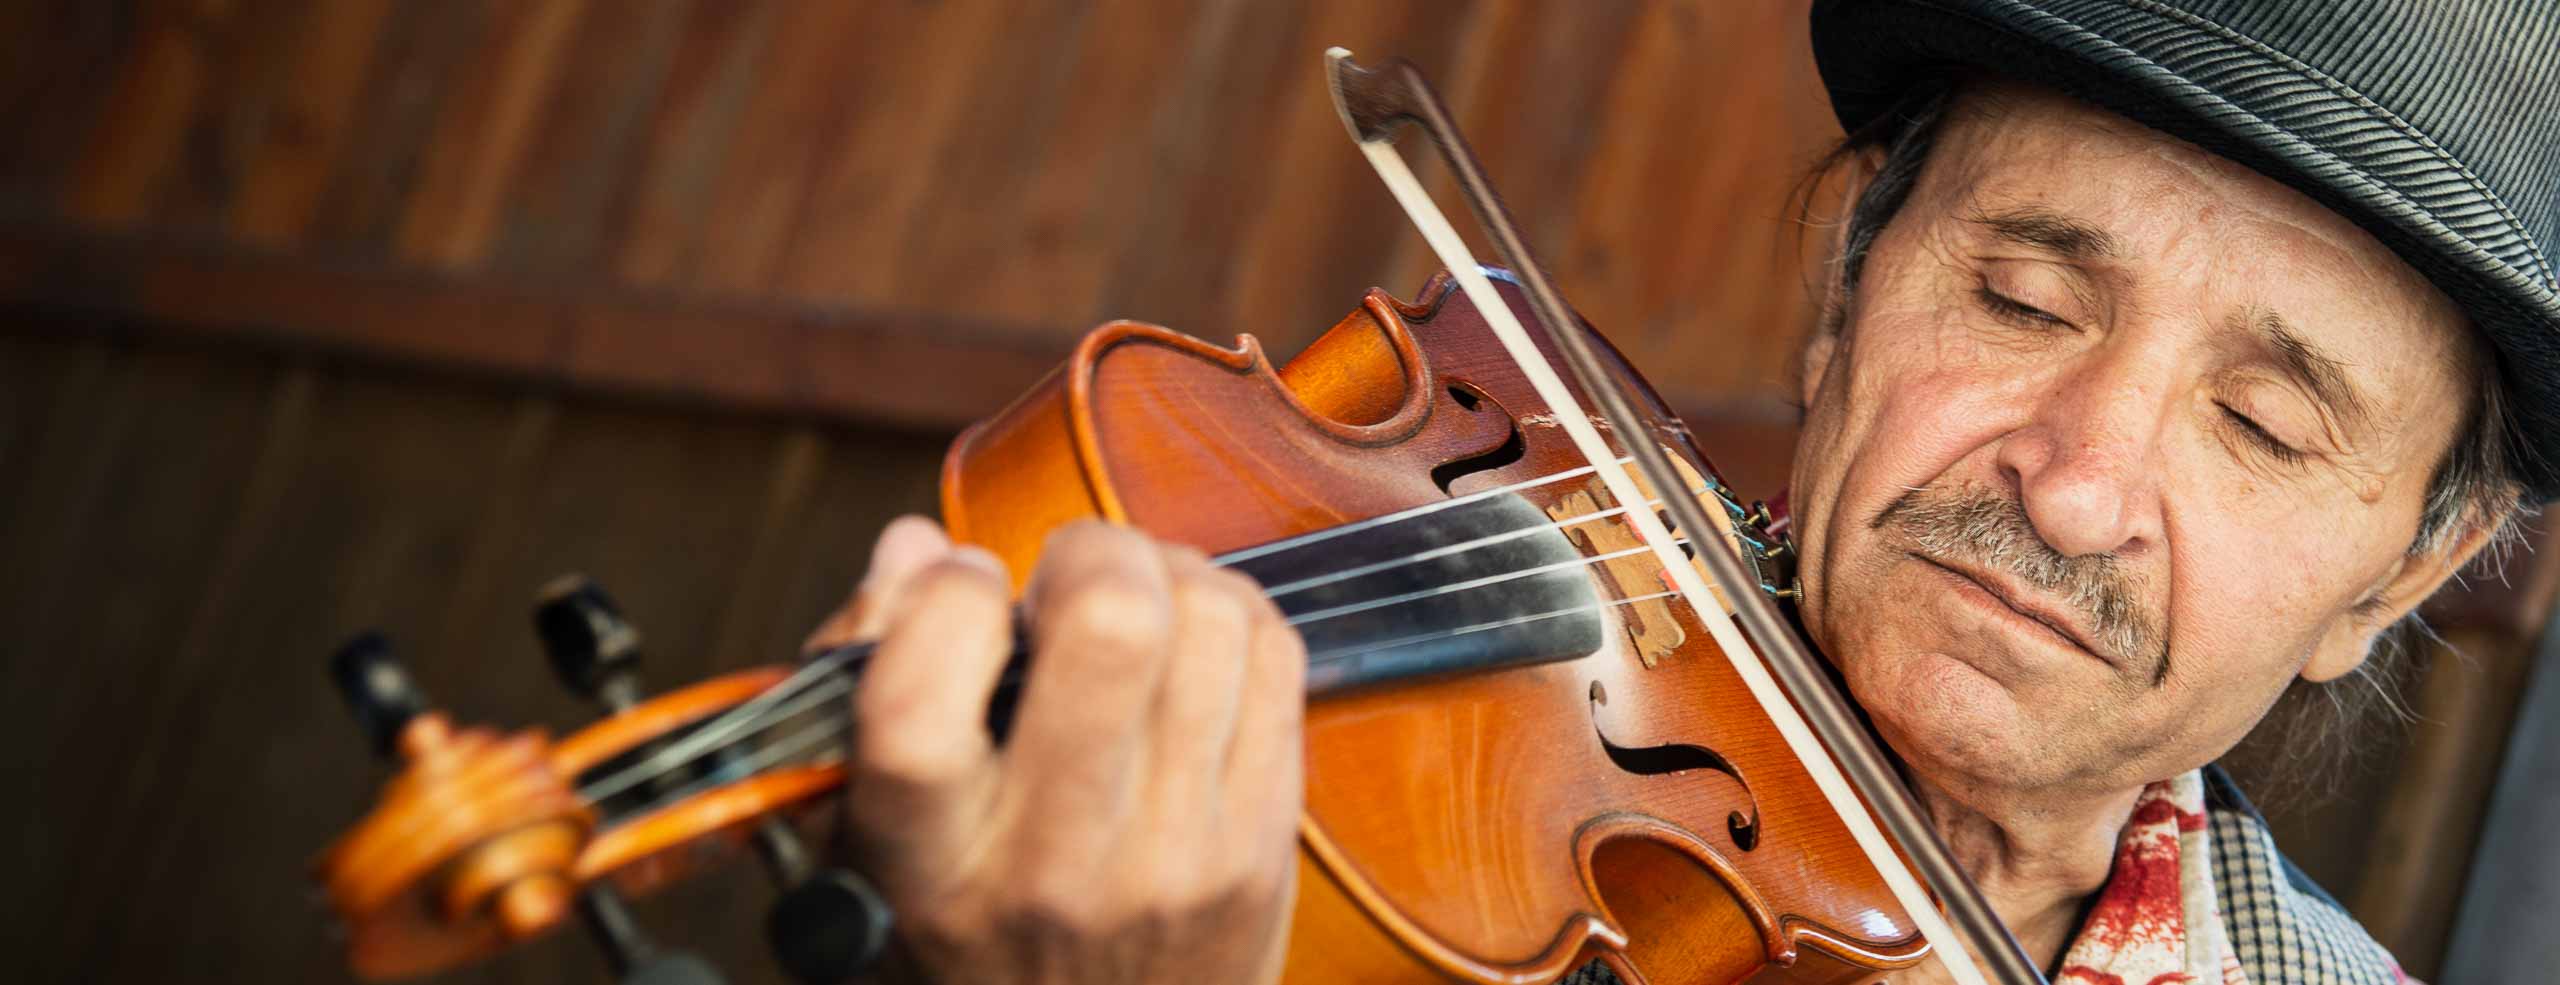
(789, 203)
(190, 530)
(325, 314)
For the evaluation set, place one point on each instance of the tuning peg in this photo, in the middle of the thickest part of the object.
(828, 924)
(595, 651)
(377, 689)
(828, 928)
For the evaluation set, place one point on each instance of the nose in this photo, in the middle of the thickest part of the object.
(2087, 464)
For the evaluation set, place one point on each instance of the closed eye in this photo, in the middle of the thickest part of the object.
(2265, 440)
(2013, 310)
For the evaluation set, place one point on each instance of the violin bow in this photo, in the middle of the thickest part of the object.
(1977, 948)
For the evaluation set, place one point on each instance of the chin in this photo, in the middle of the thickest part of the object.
(1952, 724)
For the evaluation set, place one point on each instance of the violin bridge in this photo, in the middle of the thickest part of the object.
(1651, 629)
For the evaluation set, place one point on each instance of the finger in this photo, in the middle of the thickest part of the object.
(922, 763)
(1265, 779)
(1195, 708)
(1101, 619)
(906, 546)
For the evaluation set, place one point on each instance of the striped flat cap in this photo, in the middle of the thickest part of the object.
(2433, 124)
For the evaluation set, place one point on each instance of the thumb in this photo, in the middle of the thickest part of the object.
(907, 545)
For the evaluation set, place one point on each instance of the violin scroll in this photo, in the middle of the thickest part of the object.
(475, 842)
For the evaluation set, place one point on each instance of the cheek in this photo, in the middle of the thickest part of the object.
(1912, 400)
(2257, 620)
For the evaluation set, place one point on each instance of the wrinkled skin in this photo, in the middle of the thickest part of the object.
(2117, 419)
(2129, 405)
(1140, 823)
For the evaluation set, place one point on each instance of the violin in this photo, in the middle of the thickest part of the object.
(1536, 734)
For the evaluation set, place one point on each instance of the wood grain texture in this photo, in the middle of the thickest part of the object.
(1042, 166)
(492, 237)
(1473, 848)
(191, 530)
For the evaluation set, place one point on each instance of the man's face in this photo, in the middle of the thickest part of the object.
(2114, 440)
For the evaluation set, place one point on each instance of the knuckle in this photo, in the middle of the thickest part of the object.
(1282, 652)
(1110, 613)
(1066, 903)
(1206, 600)
(1088, 539)
(906, 757)
(957, 584)
(1183, 557)
(1246, 592)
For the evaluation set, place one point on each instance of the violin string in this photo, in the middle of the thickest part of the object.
(714, 733)
(1399, 516)
(837, 718)
(750, 715)
(1337, 656)
(801, 700)
(1318, 581)
(1471, 584)
(771, 755)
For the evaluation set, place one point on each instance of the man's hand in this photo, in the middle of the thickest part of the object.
(1139, 825)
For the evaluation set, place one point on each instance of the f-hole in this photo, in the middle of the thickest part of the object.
(1510, 451)
(1678, 757)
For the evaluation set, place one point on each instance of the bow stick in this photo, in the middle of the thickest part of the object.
(1374, 104)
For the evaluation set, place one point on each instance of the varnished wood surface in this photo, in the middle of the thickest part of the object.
(1026, 170)
(188, 531)
(1462, 822)
(189, 527)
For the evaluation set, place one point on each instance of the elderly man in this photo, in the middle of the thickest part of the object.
(2174, 353)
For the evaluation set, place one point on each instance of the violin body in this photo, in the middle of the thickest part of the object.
(1633, 805)
(1623, 798)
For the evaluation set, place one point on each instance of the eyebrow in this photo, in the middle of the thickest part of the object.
(2324, 375)
(2051, 231)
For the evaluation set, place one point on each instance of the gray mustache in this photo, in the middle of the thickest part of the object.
(1983, 530)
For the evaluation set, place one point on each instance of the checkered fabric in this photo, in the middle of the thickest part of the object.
(2285, 930)
(2282, 929)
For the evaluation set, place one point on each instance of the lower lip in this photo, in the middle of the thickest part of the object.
(1981, 597)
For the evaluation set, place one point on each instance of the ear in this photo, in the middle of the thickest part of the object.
(1851, 174)
(2413, 578)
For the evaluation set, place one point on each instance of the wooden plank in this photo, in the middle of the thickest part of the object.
(690, 134)
(799, 461)
(145, 115)
(1323, 228)
(925, 152)
(52, 55)
(792, 115)
(424, 47)
(2416, 851)
(391, 481)
(245, 73)
(1044, 244)
(166, 753)
(1209, 149)
(126, 538)
(1738, 332)
(481, 133)
(918, 369)
(296, 147)
(585, 155)
(1526, 86)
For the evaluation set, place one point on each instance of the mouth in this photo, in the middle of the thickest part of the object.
(2032, 614)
